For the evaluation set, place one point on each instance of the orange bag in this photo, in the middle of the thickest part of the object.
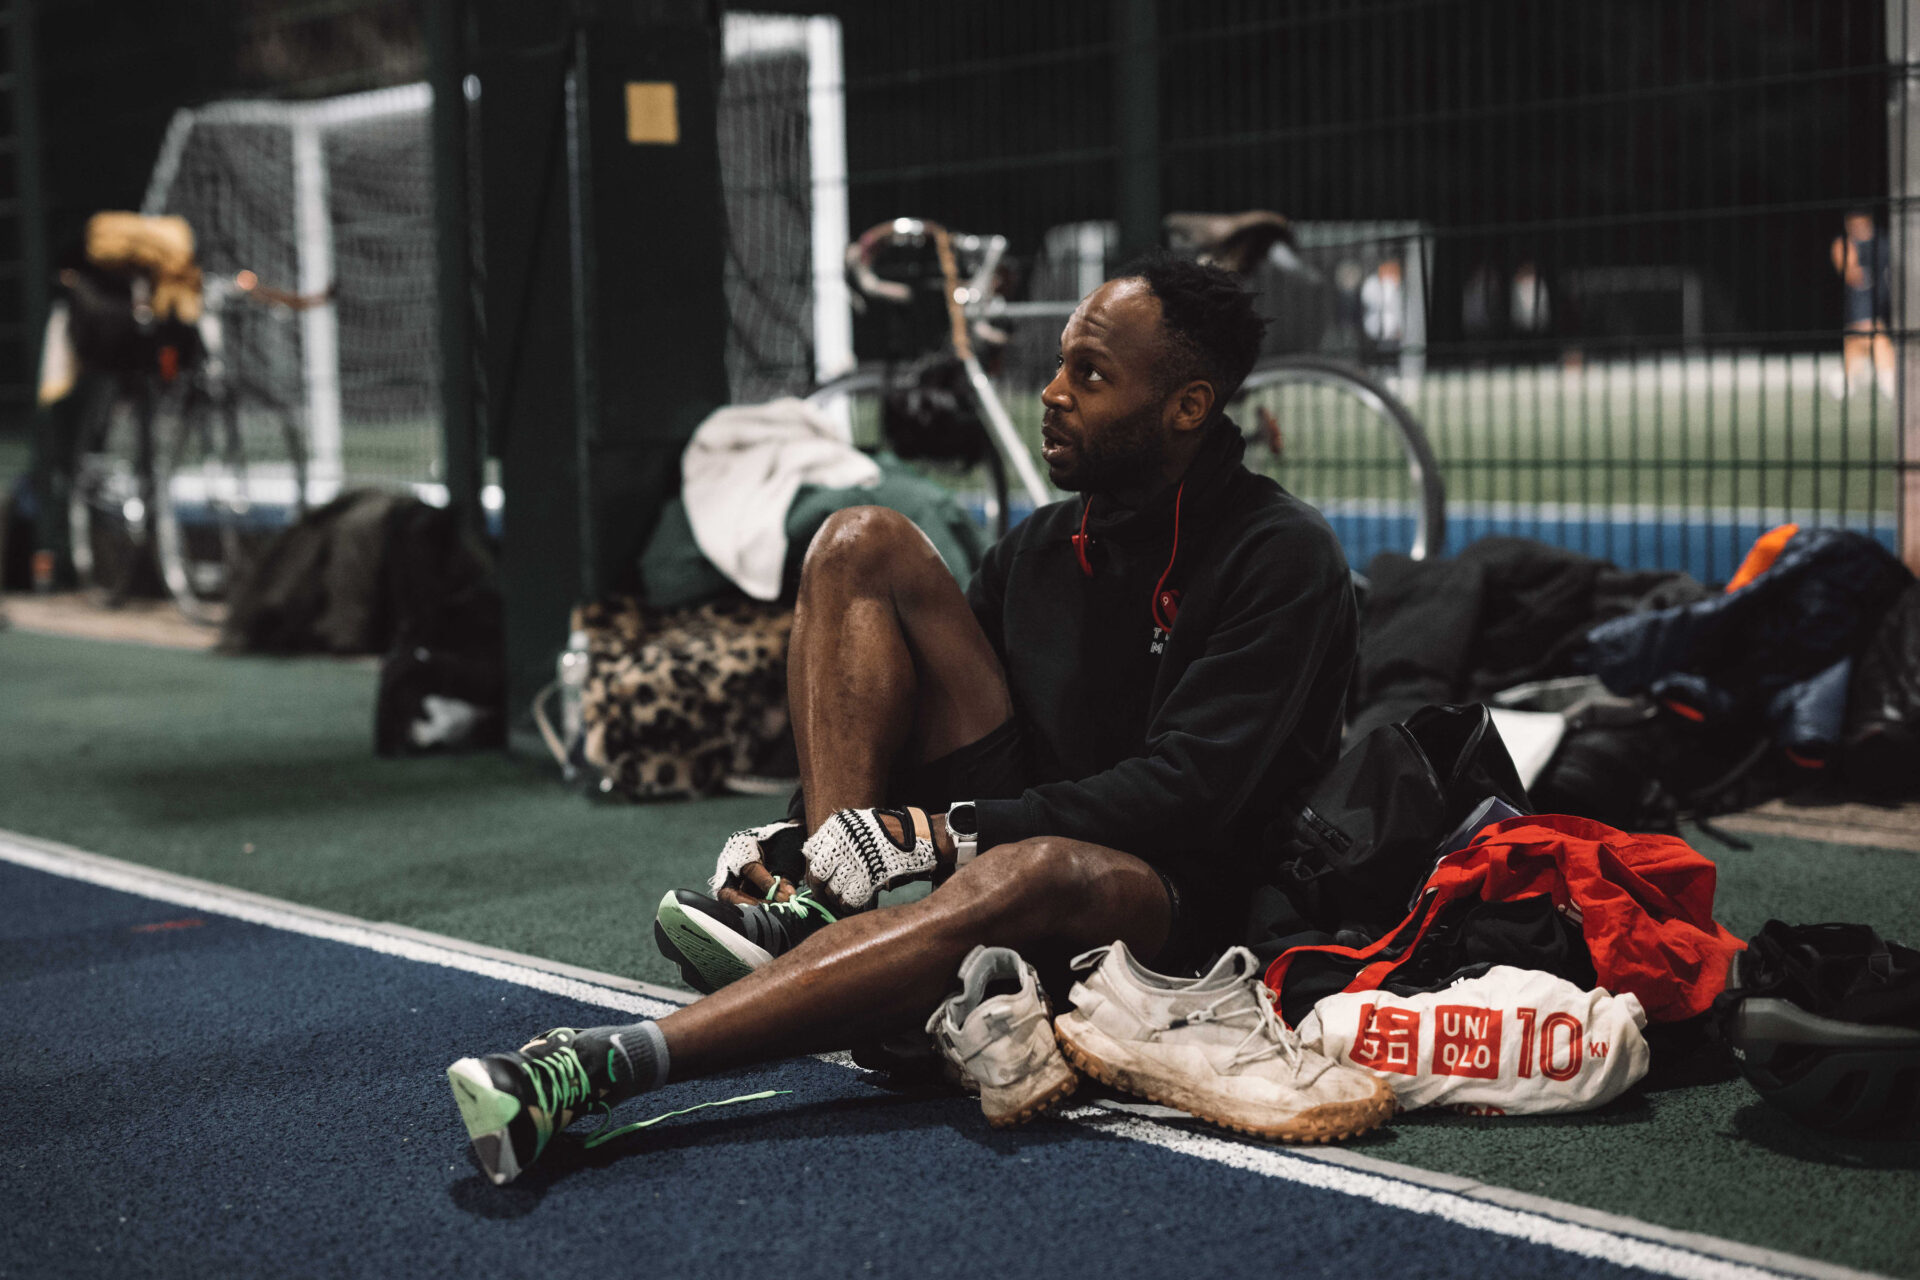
(1644, 904)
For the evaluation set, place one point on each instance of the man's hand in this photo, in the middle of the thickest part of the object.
(740, 875)
(754, 882)
(943, 850)
(856, 853)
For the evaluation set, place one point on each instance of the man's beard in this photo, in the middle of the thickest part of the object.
(1126, 454)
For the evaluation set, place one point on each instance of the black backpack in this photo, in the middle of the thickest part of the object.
(442, 606)
(1883, 706)
(1846, 972)
(929, 414)
(1646, 775)
(1367, 834)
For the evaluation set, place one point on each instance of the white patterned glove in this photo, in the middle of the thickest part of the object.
(853, 857)
(741, 849)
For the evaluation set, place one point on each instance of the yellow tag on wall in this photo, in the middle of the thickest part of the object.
(653, 112)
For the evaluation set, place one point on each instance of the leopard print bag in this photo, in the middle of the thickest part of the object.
(677, 702)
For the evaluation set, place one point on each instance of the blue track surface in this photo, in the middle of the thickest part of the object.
(186, 1091)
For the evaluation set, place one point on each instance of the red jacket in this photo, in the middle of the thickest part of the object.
(1644, 904)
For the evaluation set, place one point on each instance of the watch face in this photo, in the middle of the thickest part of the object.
(960, 819)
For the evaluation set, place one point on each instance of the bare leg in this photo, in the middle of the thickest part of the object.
(1856, 350)
(873, 974)
(886, 658)
(1883, 367)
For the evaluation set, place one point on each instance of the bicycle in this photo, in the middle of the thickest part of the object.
(164, 485)
(944, 414)
(1324, 428)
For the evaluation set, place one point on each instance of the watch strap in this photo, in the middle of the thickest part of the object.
(966, 844)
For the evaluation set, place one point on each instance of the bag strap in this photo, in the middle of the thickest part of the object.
(1369, 977)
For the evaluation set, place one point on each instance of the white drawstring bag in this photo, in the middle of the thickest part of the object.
(1510, 1042)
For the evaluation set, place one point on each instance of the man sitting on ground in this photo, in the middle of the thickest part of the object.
(1134, 685)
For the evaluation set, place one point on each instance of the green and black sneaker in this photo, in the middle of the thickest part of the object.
(513, 1103)
(716, 943)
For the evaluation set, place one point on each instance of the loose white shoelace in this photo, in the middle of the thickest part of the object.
(1267, 1038)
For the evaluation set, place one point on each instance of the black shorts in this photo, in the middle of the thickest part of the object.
(1866, 306)
(995, 767)
(1207, 918)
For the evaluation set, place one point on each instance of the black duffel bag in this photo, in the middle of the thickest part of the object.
(1366, 835)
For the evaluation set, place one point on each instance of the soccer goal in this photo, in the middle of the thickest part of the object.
(336, 196)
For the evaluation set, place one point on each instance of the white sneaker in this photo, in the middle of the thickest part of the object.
(1000, 1040)
(1213, 1047)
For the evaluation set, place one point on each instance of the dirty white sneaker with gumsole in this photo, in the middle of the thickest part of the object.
(1213, 1047)
(997, 1034)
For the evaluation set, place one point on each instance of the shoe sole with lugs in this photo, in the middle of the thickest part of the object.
(1328, 1122)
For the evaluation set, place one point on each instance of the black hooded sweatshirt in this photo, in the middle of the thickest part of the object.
(1176, 746)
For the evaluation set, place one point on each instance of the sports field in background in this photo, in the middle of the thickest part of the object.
(1665, 461)
(1671, 460)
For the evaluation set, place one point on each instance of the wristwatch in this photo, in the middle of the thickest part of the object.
(963, 824)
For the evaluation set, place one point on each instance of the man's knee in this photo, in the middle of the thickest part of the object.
(1033, 879)
(862, 544)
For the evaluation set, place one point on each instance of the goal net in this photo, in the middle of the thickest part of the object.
(338, 194)
(312, 197)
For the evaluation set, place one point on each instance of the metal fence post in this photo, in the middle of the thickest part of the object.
(460, 450)
(1903, 189)
(36, 268)
(1136, 125)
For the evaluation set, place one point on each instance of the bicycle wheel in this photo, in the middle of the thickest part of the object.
(204, 522)
(110, 516)
(855, 399)
(1338, 439)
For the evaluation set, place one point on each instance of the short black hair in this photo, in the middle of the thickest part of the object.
(1212, 329)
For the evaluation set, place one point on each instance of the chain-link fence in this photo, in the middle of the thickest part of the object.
(1633, 265)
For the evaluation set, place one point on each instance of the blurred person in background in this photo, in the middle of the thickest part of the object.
(1864, 265)
(1478, 296)
(1383, 305)
(1531, 308)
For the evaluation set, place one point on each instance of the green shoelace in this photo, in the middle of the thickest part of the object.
(608, 1135)
(559, 1080)
(802, 904)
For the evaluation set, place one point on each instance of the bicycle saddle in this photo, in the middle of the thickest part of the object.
(1236, 241)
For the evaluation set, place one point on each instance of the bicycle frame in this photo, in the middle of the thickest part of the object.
(966, 305)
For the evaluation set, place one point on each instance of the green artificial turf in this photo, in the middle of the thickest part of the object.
(260, 773)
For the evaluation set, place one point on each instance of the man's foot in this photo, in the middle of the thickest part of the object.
(997, 1033)
(1213, 1047)
(513, 1103)
(715, 943)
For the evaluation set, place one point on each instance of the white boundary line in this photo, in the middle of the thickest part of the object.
(389, 939)
(1568, 1227)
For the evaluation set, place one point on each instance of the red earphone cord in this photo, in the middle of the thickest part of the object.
(1166, 604)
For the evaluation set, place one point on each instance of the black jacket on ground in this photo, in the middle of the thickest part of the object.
(1179, 748)
(1502, 612)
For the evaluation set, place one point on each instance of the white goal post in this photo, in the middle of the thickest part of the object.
(337, 194)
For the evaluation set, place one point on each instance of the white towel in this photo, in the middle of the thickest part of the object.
(740, 473)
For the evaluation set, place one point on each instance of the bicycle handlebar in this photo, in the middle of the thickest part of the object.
(973, 295)
(965, 304)
(248, 284)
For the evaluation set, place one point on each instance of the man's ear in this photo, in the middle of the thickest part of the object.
(1192, 405)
